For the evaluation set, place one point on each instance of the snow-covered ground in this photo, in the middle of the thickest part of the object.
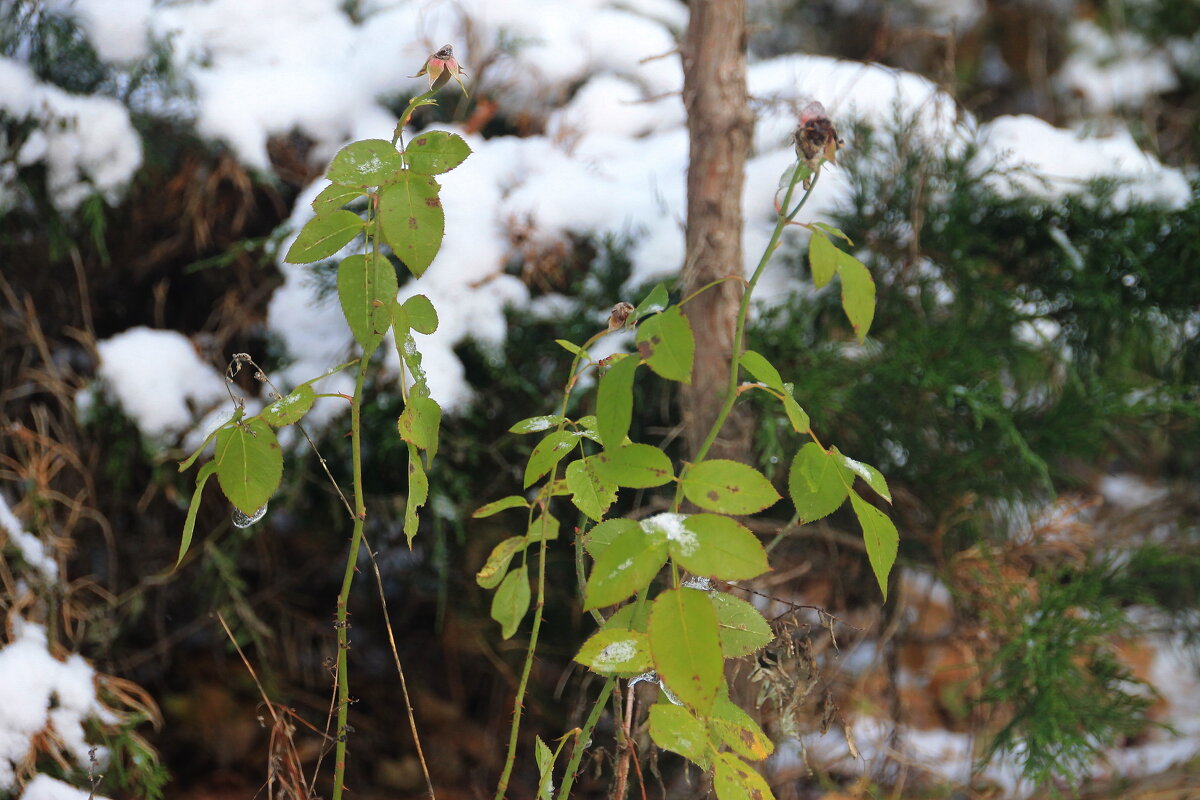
(612, 160)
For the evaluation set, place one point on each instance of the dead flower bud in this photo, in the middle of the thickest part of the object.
(619, 315)
(441, 67)
(817, 140)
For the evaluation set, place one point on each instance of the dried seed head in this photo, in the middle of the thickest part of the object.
(619, 315)
(816, 138)
(441, 67)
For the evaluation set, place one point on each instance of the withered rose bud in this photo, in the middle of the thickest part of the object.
(441, 67)
(619, 315)
(817, 140)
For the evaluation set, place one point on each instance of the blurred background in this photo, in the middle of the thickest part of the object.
(1021, 179)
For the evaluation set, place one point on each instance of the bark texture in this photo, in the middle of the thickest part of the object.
(719, 129)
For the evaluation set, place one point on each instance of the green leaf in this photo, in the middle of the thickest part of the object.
(412, 219)
(832, 231)
(590, 493)
(734, 779)
(503, 504)
(718, 547)
(545, 765)
(420, 314)
(511, 601)
(323, 236)
(626, 566)
(795, 414)
(763, 371)
(674, 728)
(858, 293)
(600, 537)
(614, 401)
(743, 630)
(872, 476)
(367, 292)
(334, 196)
(822, 259)
(549, 451)
(544, 527)
(493, 570)
(290, 408)
(666, 343)
(435, 152)
(656, 301)
(684, 644)
(817, 483)
(369, 162)
(728, 487)
(418, 491)
(537, 424)
(572, 348)
(637, 466)
(734, 727)
(189, 524)
(631, 616)
(616, 652)
(880, 536)
(249, 464)
(419, 423)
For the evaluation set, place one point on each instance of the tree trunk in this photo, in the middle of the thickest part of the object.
(719, 128)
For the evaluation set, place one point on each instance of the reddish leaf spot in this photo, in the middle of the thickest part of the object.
(422, 141)
(433, 202)
(413, 224)
(714, 495)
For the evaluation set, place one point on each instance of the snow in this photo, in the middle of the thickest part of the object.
(612, 161)
(674, 527)
(87, 143)
(1041, 160)
(118, 29)
(1111, 72)
(939, 753)
(1130, 491)
(37, 690)
(159, 380)
(33, 551)
(615, 654)
(43, 787)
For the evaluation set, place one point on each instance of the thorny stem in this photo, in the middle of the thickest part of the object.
(739, 333)
(531, 648)
(584, 738)
(731, 396)
(343, 625)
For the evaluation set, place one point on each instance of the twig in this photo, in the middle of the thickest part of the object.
(626, 745)
(408, 706)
